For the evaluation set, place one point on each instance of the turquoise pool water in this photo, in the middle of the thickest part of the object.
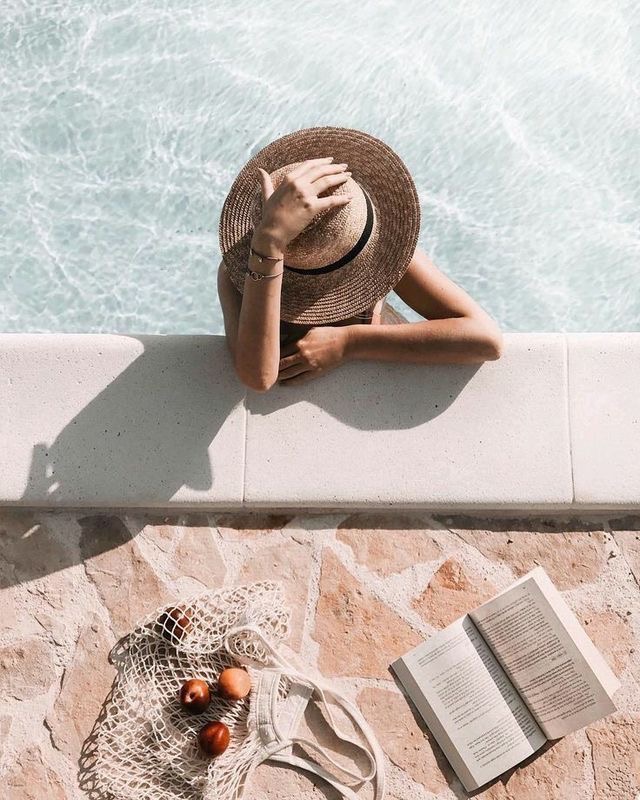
(123, 126)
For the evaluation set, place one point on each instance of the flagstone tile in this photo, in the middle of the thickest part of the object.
(570, 557)
(616, 756)
(249, 526)
(612, 634)
(357, 633)
(58, 569)
(27, 668)
(32, 547)
(85, 685)
(452, 592)
(5, 727)
(627, 534)
(196, 555)
(126, 583)
(405, 741)
(32, 778)
(387, 546)
(272, 781)
(556, 772)
(164, 537)
(289, 563)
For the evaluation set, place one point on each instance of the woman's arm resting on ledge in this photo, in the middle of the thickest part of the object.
(456, 328)
(462, 340)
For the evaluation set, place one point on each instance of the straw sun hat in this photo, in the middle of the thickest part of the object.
(348, 257)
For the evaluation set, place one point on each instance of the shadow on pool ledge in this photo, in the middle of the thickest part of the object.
(148, 433)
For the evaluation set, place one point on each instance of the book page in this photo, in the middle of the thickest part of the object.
(531, 630)
(469, 704)
(594, 657)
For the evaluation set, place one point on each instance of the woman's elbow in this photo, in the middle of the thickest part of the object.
(259, 387)
(247, 378)
(487, 339)
(493, 344)
(250, 383)
(256, 384)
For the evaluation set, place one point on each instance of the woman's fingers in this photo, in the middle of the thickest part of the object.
(301, 169)
(330, 180)
(298, 195)
(323, 177)
(333, 200)
(316, 173)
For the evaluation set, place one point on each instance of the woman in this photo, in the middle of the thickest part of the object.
(287, 323)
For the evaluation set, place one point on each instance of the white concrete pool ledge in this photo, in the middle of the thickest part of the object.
(144, 421)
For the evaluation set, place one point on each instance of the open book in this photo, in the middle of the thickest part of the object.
(499, 682)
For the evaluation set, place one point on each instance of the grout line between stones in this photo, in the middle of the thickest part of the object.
(45, 722)
(591, 764)
(309, 647)
(621, 552)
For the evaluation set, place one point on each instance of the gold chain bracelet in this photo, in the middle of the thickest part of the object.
(258, 276)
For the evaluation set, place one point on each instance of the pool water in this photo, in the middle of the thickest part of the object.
(123, 126)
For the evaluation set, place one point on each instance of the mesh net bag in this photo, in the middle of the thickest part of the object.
(145, 745)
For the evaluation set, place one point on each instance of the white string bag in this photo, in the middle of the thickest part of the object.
(145, 745)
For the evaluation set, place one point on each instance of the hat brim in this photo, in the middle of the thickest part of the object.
(358, 285)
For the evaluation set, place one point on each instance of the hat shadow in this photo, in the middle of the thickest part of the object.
(147, 435)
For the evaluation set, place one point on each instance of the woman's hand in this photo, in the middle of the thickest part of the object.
(318, 351)
(290, 208)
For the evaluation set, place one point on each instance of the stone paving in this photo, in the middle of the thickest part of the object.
(363, 588)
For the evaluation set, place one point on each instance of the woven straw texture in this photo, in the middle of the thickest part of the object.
(356, 286)
(144, 745)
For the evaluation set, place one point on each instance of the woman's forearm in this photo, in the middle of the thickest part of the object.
(258, 343)
(458, 340)
(286, 212)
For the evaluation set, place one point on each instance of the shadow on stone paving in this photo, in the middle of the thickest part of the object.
(34, 543)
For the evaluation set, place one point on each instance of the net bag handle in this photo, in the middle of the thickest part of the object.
(374, 755)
